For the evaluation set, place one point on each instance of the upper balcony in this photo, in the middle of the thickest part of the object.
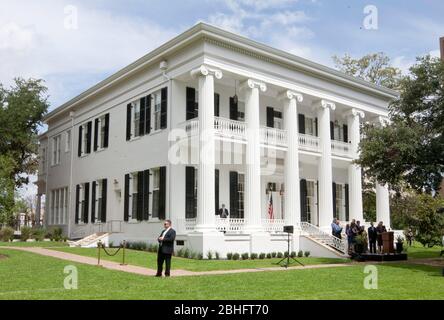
(236, 131)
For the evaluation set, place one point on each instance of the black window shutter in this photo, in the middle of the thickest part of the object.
(126, 198)
(139, 209)
(233, 109)
(163, 107)
(335, 213)
(303, 193)
(270, 117)
(76, 218)
(104, 196)
(216, 104)
(332, 130)
(88, 136)
(216, 189)
(347, 204)
(148, 115)
(142, 116)
(301, 123)
(96, 133)
(106, 137)
(146, 194)
(93, 201)
(128, 121)
(234, 195)
(86, 211)
(345, 133)
(162, 192)
(79, 153)
(189, 192)
(316, 127)
(191, 103)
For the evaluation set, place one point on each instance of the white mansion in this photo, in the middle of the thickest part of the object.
(212, 118)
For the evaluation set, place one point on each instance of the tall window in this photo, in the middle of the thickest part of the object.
(338, 132)
(68, 141)
(42, 160)
(340, 202)
(56, 150)
(310, 126)
(157, 99)
(156, 187)
(58, 206)
(311, 187)
(136, 117)
(241, 111)
(241, 193)
(85, 139)
(133, 194)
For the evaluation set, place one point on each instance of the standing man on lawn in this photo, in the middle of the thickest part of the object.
(166, 248)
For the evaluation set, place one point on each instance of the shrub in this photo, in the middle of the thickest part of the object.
(293, 254)
(229, 256)
(6, 234)
(209, 255)
(26, 233)
(217, 255)
(286, 254)
(39, 234)
(262, 256)
(57, 234)
(253, 256)
(111, 244)
(199, 256)
(245, 256)
(180, 252)
(280, 255)
(273, 254)
(195, 255)
(140, 246)
(268, 255)
(186, 253)
(300, 253)
(236, 256)
(306, 254)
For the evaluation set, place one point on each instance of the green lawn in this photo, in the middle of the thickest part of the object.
(418, 251)
(148, 260)
(29, 276)
(43, 244)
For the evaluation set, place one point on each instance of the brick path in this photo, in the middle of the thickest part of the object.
(151, 272)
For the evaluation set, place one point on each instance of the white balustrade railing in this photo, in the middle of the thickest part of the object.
(230, 128)
(273, 136)
(230, 224)
(340, 148)
(308, 142)
(273, 225)
(324, 237)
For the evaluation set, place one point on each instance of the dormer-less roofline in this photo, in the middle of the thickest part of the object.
(202, 30)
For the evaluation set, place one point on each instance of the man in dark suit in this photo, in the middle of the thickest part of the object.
(372, 237)
(166, 248)
(223, 212)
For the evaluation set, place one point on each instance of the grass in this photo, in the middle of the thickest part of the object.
(43, 244)
(149, 260)
(26, 275)
(418, 251)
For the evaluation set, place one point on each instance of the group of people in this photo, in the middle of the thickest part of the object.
(372, 237)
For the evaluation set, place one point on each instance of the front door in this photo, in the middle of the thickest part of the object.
(312, 203)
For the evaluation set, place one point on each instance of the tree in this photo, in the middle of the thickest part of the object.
(21, 111)
(373, 67)
(410, 150)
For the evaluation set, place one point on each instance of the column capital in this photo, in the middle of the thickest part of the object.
(354, 113)
(290, 95)
(205, 70)
(251, 84)
(325, 104)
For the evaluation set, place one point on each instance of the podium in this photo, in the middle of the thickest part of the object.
(388, 242)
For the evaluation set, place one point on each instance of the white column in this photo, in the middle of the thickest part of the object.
(206, 168)
(383, 204)
(38, 209)
(253, 198)
(292, 193)
(325, 175)
(354, 171)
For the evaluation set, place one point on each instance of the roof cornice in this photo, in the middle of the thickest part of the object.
(207, 31)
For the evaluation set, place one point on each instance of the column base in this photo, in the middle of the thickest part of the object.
(203, 242)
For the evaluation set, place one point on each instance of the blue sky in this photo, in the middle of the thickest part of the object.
(34, 41)
(112, 34)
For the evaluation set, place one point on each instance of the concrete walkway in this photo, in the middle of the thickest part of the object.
(151, 272)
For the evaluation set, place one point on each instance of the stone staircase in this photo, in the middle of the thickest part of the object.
(91, 240)
(330, 242)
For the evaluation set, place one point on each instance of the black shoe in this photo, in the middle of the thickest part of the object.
(158, 275)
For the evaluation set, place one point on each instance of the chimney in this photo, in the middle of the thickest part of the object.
(441, 45)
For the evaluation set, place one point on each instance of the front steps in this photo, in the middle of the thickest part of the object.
(91, 240)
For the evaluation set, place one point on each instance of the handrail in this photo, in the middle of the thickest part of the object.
(324, 237)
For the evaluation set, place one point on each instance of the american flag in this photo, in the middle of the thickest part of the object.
(270, 207)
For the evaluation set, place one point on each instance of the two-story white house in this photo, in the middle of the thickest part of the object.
(212, 118)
